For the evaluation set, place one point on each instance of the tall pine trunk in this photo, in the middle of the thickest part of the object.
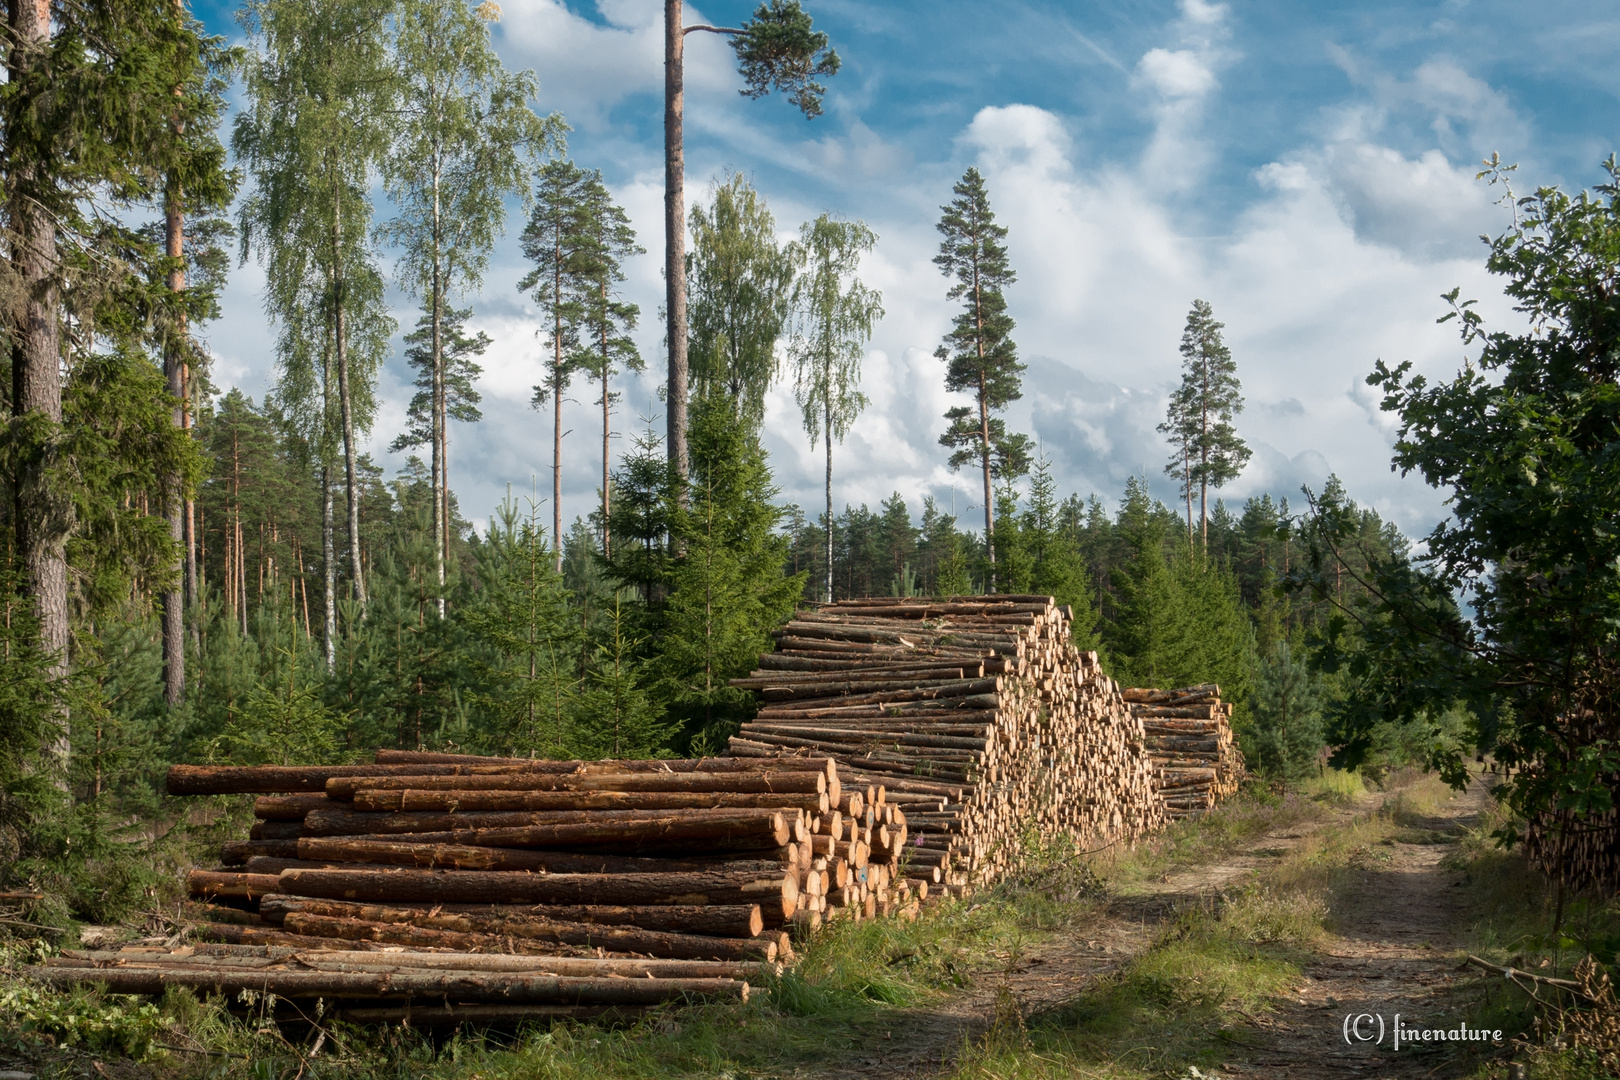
(43, 519)
(1203, 460)
(675, 235)
(173, 598)
(984, 434)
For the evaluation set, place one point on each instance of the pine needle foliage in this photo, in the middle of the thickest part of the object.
(980, 356)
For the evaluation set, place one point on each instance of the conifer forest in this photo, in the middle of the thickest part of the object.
(196, 570)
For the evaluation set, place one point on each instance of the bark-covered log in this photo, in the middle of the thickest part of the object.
(461, 985)
(713, 920)
(762, 782)
(466, 800)
(237, 852)
(533, 937)
(481, 887)
(209, 883)
(466, 856)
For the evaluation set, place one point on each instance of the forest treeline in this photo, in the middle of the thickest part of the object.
(189, 574)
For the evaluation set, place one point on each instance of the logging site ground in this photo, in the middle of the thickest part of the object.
(1230, 946)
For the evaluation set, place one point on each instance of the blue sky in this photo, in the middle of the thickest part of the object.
(1307, 168)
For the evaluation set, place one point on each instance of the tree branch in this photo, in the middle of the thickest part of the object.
(710, 29)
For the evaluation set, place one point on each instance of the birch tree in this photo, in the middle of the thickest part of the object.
(320, 91)
(466, 131)
(835, 313)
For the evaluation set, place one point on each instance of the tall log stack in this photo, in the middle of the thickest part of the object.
(1188, 735)
(977, 715)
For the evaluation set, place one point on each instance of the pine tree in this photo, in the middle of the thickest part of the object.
(776, 50)
(458, 153)
(741, 294)
(835, 316)
(442, 355)
(1209, 453)
(558, 240)
(606, 318)
(979, 353)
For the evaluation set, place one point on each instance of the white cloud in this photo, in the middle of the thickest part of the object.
(1178, 73)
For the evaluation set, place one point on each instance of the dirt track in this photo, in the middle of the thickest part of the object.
(1391, 953)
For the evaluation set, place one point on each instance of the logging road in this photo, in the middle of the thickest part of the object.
(1393, 951)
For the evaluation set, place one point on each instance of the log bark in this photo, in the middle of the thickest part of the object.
(288, 807)
(762, 782)
(534, 937)
(717, 920)
(463, 985)
(472, 886)
(236, 852)
(731, 830)
(461, 799)
(240, 886)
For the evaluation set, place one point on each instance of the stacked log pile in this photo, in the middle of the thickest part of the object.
(977, 715)
(703, 859)
(1188, 735)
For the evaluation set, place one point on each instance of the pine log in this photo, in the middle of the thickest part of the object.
(779, 781)
(240, 886)
(463, 985)
(533, 936)
(702, 764)
(473, 886)
(456, 854)
(369, 799)
(374, 961)
(357, 822)
(716, 920)
(288, 807)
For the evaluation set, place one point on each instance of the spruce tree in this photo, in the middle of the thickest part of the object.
(727, 590)
(1148, 632)
(1287, 714)
(618, 717)
(741, 295)
(1208, 451)
(557, 240)
(1057, 567)
(525, 618)
(980, 356)
(835, 314)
